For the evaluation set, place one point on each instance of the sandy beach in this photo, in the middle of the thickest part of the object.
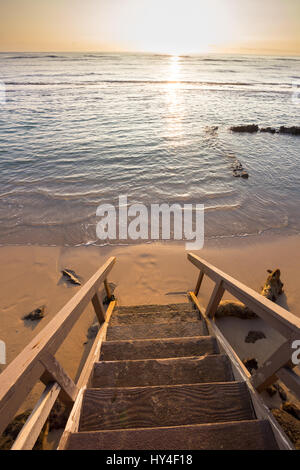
(144, 274)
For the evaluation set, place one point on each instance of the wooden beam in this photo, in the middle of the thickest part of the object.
(215, 299)
(199, 282)
(29, 433)
(19, 377)
(55, 373)
(95, 350)
(98, 307)
(266, 374)
(283, 321)
(290, 379)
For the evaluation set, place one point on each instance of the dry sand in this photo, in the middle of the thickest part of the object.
(144, 274)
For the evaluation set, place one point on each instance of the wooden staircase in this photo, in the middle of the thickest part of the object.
(161, 383)
(155, 377)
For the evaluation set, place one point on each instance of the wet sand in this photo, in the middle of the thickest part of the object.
(144, 274)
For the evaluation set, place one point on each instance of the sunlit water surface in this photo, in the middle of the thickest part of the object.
(78, 130)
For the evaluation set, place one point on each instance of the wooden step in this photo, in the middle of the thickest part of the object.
(238, 435)
(143, 407)
(211, 368)
(153, 308)
(160, 330)
(158, 316)
(158, 348)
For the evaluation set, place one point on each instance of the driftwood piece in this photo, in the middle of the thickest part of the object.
(272, 289)
(71, 277)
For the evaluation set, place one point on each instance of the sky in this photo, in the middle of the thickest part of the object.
(159, 26)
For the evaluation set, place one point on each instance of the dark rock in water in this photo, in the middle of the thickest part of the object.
(11, 432)
(270, 130)
(292, 409)
(238, 170)
(71, 276)
(237, 166)
(251, 364)
(211, 129)
(271, 390)
(254, 336)
(245, 128)
(294, 130)
(36, 314)
(289, 424)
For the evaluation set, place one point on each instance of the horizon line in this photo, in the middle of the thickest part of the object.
(167, 54)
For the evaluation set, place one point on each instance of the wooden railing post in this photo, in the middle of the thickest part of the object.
(215, 299)
(99, 309)
(199, 282)
(107, 290)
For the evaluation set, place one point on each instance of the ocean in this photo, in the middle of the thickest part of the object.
(79, 130)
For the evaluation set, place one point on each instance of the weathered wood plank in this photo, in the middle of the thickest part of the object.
(238, 435)
(55, 373)
(148, 372)
(143, 407)
(154, 330)
(17, 380)
(28, 435)
(158, 348)
(125, 319)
